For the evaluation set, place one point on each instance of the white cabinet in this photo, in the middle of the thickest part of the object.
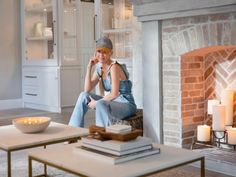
(51, 66)
(114, 19)
(40, 88)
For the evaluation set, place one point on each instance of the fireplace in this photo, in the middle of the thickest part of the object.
(194, 59)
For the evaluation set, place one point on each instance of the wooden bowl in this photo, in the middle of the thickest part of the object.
(31, 124)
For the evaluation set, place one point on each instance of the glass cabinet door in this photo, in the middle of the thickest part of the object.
(116, 23)
(68, 32)
(39, 31)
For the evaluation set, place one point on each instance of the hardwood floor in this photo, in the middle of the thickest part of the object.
(6, 117)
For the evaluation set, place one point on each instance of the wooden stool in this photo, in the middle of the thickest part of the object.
(136, 121)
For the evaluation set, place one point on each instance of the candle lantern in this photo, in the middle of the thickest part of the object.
(218, 121)
(228, 101)
(203, 133)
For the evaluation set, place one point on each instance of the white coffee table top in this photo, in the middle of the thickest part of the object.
(11, 138)
(64, 157)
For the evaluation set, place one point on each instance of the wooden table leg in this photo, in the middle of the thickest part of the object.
(9, 163)
(202, 167)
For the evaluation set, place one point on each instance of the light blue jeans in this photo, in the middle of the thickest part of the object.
(106, 111)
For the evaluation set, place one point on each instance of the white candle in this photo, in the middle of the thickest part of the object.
(227, 99)
(218, 119)
(211, 103)
(203, 133)
(232, 136)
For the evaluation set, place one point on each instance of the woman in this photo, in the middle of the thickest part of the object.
(119, 103)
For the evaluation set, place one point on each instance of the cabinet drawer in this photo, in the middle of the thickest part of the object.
(31, 94)
(31, 78)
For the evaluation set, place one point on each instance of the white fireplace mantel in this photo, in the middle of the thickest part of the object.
(166, 9)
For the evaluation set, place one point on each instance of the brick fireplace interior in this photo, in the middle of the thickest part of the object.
(199, 61)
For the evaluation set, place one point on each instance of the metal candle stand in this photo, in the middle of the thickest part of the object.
(215, 140)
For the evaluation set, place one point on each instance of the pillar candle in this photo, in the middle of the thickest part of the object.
(218, 118)
(227, 99)
(211, 103)
(203, 133)
(232, 136)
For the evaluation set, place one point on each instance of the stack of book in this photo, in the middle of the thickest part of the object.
(114, 152)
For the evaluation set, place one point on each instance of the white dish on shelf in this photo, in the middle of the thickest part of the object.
(31, 124)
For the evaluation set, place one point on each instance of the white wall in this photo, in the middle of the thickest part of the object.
(10, 62)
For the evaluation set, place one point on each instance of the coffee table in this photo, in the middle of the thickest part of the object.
(65, 158)
(12, 139)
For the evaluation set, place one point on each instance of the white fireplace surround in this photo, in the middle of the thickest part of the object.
(151, 13)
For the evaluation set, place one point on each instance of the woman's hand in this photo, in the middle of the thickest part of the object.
(92, 103)
(93, 61)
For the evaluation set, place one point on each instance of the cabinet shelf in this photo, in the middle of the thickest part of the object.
(43, 38)
(40, 8)
(117, 30)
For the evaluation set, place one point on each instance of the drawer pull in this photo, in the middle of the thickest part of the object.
(32, 77)
(31, 94)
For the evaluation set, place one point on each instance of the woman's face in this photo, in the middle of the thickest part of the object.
(103, 56)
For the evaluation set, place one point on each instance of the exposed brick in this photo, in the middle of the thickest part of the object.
(198, 99)
(232, 55)
(180, 21)
(201, 78)
(226, 31)
(187, 141)
(190, 107)
(185, 86)
(218, 17)
(171, 133)
(233, 33)
(208, 72)
(205, 34)
(170, 29)
(220, 79)
(171, 73)
(187, 114)
(195, 93)
(219, 28)
(213, 34)
(208, 92)
(194, 65)
(200, 105)
(199, 112)
(188, 134)
(186, 101)
(223, 53)
(199, 19)
(198, 119)
(232, 77)
(198, 86)
(190, 79)
(187, 40)
(221, 70)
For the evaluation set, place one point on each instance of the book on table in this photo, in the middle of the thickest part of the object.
(115, 152)
(114, 159)
(117, 145)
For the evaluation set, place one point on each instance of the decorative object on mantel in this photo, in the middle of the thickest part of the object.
(31, 124)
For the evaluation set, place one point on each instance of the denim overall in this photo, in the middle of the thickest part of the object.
(107, 112)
